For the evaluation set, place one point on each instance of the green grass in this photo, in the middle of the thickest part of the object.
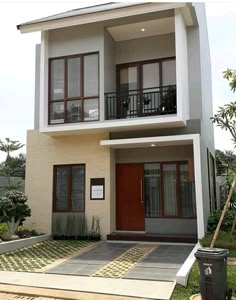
(224, 240)
(35, 257)
(182, 293)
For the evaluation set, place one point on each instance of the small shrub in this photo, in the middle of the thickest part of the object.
(3, 229)
(215, 217)
(24, 232)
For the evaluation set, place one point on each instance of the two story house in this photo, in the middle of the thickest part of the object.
(122, 121)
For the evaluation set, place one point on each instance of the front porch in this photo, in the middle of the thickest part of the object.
(158, 189)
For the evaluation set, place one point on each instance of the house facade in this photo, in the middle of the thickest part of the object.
(122, 120)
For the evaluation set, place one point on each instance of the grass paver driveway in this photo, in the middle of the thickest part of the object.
(40, 255)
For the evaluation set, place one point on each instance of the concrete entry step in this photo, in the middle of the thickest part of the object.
(145, 237)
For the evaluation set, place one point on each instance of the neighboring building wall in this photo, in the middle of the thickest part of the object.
(146, 48)
(43, 152)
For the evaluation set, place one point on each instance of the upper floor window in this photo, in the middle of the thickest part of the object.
(74, 88)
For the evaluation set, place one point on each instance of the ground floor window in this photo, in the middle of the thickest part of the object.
(169, 190)
(69, 188)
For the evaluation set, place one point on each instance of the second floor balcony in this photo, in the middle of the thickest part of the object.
(141, 103)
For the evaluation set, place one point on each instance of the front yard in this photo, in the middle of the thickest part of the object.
(40, 255)
(225, 241)
(193, 284)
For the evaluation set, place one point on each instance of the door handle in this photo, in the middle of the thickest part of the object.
(141, 190)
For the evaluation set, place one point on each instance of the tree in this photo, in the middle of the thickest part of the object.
(225, 117)
(14, 167)
(10, 146)
(225, 162)
(13, 211)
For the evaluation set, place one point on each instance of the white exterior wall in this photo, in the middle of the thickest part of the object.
(181, 66)
(69, 41)
(145, 48)
(207, 131)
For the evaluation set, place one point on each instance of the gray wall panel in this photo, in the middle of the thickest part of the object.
(171, 226)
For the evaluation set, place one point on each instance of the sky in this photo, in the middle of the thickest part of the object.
(17, 63)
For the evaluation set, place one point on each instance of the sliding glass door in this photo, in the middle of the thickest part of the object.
(169, 190)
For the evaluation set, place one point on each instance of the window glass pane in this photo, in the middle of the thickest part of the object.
(91, 75)
(152, 190)
(57, 79)
(128, 79)
(168, 72)
(151, 96)
(170, 197)
(73, 77)
(57, 112)
(62, 174)
(74, 111)
(187, 193)
(90, 109)
(151, 75)
(78, 188)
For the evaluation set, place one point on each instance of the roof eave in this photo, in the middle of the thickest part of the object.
(142, 8)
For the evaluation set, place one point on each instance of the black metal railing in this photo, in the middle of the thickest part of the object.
(141, 103)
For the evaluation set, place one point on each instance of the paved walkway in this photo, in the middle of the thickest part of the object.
(130, 261)
(13, 292)
(146, 289)
(145, 271)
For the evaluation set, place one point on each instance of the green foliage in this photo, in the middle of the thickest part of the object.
(225, 117)
(95, 228)
(3, 228)
(224, 240)
(215, 217)
(225, 162)
(76, 227)
(182, 293)
(24, 232)
(14, 166)
(9, 146)
(230, 75)
(13, 204)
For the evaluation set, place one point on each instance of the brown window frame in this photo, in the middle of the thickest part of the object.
(139, 65)
(66, 99)
(69, 181)
(178, 192)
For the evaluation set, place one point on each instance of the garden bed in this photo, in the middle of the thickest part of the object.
(8, 246)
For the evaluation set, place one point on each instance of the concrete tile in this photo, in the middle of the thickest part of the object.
(133, 288)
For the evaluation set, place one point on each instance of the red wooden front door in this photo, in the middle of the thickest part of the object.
(129, 197)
